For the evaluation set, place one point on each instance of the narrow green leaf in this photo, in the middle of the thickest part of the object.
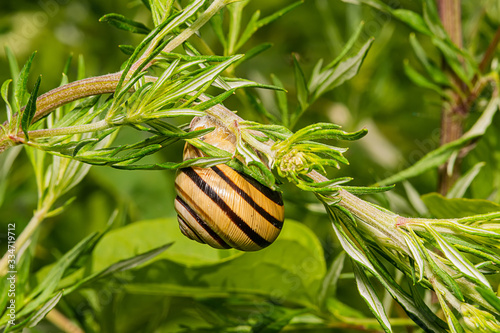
(460, 262)
(452, 321)
(351, 249)
(347, 47)
(145, 42)
(359, 190)
(5, 96)
(422, 81)
(124, 23)
(250, 29)
(217, 23)
(423, 316)
(371, 298)
(453, 61)
(320, 131)
(441, 154)
(281, 96)
(462, 184)
(344, 71)
(21, 89)
(256, 24)
(432, 19)
(44, 290)
(67, 65)
(120, 266)
(127, 49)
(490, 297)
(329, 285)
(414, 199)
(436, 73)
(484, 122)
(276, 15)
(253, 52)
(13, 65)
(413, 245)
(30, 110)
(300, 86)
(257, 105)
(42, 312)
(412, 19)
(81, 67)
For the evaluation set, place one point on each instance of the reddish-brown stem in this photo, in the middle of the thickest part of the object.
(452, 115)
(488, 55)
(73, 91)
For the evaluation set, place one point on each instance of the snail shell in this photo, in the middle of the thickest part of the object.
(222, 207)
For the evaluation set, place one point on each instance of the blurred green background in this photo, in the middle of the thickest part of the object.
(403, 120)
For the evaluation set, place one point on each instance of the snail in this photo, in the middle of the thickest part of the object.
(222, 207)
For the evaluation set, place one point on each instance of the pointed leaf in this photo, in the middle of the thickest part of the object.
(127, 49)
(119, 266)
(371, 298)
(30, 110)
(22, 82)
(421, 80)
(13, 65)
(300, 85)
(256, 24)
(436, 73)
(343, 71)
(462, 184)
(412, 19)
(414, 247)
(441, 154)
(42, 312)
(121, 22)
(44, 290)
(282, 99)
(329, 285)
(460, 262)
(347, 47)
(5, 96)
(453, 61)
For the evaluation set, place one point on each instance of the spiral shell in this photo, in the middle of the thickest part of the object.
(222, 207)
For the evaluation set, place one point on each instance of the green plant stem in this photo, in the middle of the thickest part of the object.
(93, 127)
(25, 236)
(452, 116)
(73, 91)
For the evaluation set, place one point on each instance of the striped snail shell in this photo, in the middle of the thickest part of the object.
(222, 207)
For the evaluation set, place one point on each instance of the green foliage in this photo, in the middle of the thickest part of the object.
(142, 275)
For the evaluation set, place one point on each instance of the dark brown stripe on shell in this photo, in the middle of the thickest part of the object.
(209, 191)
(183, 225)
(203, 224)
(265, 214)
(274, 196)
